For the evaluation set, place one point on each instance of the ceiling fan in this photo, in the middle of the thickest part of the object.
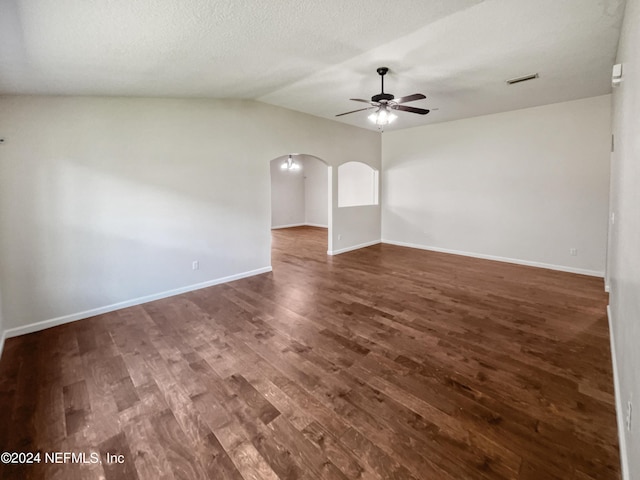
(385, 103)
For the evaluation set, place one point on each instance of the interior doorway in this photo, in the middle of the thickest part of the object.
(301, 197)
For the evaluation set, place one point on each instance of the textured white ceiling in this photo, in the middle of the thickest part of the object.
(313, 55)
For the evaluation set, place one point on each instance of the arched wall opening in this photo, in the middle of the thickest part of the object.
(358, 185)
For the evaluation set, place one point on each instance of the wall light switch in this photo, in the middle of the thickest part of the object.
(195, 265)
(616, 74)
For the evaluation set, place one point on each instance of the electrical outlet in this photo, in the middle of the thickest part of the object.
(339, 236)
(573, 252)
(628, 420)
(195, 265)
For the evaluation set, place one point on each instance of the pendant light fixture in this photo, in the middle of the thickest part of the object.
(289, 164)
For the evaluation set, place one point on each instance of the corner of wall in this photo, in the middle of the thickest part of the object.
(353, 247)
(623, 256)
(2, 330)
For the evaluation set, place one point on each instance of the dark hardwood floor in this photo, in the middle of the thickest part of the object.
(382, 363)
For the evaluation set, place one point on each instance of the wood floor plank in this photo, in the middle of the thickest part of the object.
(112, 451)
(182, 460)
(251, 464)
(150, 461)
(381, 363)
(76, 406)
(333, 450)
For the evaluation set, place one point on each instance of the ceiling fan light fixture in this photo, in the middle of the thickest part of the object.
(382, 116)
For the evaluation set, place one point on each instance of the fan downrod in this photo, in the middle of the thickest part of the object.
(382, 97)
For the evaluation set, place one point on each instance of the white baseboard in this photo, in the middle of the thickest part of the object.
(562, 268)
(316, 225)
(34, 327)
(288, 226)
(277, 227)
(620, 411)
(354, 247)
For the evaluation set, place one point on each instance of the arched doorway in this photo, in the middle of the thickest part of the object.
(301, 198)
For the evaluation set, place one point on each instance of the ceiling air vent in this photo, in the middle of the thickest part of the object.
(525, 78)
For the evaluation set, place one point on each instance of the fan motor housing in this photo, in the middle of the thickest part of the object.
(382, 96)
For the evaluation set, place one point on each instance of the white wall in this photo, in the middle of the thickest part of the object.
(105, 200)
(526, 185)
(624, 253)
(287, 194)
(316, 191)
